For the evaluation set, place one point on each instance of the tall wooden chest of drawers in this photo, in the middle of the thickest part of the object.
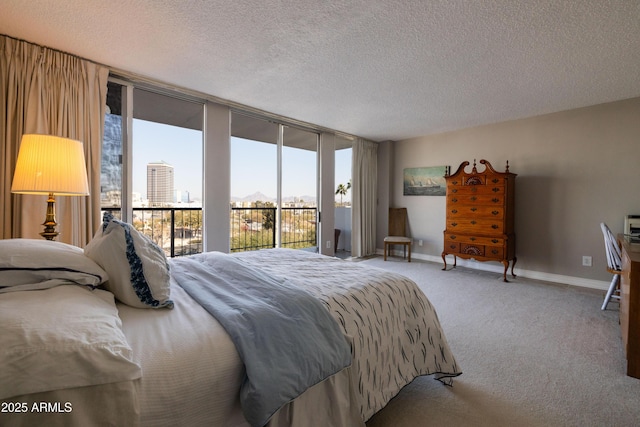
(480, 216)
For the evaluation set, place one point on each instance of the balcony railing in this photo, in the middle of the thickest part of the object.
(253, 228)
(178, 231)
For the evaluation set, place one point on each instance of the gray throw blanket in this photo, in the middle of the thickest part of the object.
(286, 338)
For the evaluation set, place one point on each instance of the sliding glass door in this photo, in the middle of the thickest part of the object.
(299, 185)
(274, 185)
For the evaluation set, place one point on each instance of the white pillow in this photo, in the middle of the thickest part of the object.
(137, 267)
(63, 337)
(28, 264)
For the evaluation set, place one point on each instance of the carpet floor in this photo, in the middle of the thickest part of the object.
(532, 354)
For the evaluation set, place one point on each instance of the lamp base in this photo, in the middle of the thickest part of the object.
(49, 223)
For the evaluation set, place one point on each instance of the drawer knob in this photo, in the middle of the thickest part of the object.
(452, 237)
(495, 180)
(495, 189)
(454, 190)
(495, 200)
(494, 240)
(474, 198)
(455, 211)
(474, 209)
(454, 200)
(494, 251)
(495, 212)
(495, 227)
(454, 224)
(473, 239)
(473, 222)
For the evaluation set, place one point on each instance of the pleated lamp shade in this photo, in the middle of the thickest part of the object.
(50, 165)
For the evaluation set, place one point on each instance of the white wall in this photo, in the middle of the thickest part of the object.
(575, 169)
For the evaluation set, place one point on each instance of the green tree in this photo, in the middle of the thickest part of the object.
(342, 190)
(268, 214)
(191, 219)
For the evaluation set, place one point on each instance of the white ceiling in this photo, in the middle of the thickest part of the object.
(380, 69)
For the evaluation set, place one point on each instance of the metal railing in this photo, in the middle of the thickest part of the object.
(178, 231)
(254, 228)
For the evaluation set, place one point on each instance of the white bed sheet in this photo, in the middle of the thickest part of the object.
(113, 404)
(191, 373)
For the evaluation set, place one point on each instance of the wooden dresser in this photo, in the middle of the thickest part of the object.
(630, 304)
(480, 216)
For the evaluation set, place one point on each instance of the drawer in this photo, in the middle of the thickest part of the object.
(474, 226)
(476, 199)
(470, 238)
(475, 189)
(494, 252)
(468, 180)
(474, 250)
(451, 246)
(475, 211)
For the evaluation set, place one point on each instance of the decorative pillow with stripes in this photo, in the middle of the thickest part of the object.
(137, 267)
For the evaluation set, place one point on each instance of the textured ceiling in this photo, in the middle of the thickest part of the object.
(380, 69)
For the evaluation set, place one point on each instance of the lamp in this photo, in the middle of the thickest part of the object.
(50, 165)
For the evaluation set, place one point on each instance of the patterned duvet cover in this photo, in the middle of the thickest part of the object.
(394, 330)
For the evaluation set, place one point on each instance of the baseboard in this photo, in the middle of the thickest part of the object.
(495, 268)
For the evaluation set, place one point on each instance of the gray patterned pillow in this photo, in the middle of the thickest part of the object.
(137, 267)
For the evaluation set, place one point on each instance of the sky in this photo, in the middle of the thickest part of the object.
(253, 164)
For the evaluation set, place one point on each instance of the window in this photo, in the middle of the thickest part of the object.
(153, 179)
(274, 185)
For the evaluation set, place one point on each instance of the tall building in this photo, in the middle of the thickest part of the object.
(159, 184)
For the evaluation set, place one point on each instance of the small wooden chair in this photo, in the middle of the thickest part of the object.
(614, 265)
(397, 232)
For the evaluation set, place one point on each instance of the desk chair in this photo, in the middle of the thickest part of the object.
(397, 232)
(614, 265)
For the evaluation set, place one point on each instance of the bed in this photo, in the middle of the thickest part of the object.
(169, 361)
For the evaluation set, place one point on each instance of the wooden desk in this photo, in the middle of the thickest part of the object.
(630, 304)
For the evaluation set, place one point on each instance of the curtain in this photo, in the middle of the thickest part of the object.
(364, 197)
(49, 92)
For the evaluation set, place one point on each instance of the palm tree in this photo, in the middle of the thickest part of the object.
(342, 190)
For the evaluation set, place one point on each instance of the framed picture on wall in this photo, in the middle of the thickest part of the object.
(427, 181)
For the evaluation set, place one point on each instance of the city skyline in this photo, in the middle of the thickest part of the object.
(253, 164)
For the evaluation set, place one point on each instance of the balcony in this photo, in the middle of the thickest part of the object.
(253, 228)
(178, 231)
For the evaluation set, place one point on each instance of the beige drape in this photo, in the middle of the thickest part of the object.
(364, 170)
(50, 92)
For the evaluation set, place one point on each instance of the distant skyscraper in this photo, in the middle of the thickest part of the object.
(159, 184)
